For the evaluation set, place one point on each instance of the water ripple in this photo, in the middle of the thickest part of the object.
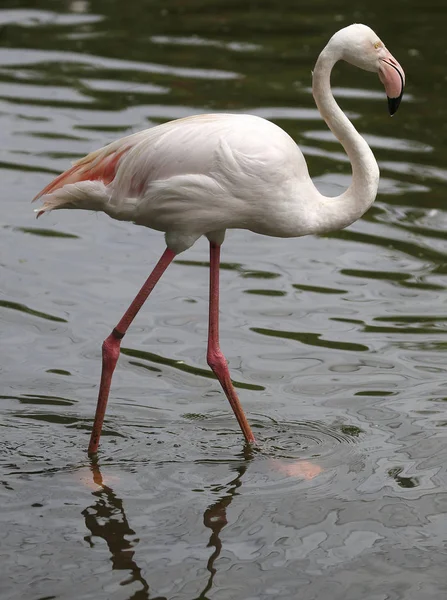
(337, 342)
(24, 57)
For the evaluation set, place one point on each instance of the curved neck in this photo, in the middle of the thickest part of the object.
(343, 210)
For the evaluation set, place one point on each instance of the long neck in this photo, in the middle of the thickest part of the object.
(337, 213)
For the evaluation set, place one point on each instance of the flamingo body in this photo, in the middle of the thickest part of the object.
(207, 173)
(194, 176)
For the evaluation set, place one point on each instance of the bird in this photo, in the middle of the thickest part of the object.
(203, 174)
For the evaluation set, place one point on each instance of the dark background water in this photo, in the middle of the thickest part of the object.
(338, 343)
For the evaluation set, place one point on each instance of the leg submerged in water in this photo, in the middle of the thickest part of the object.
(215, 357)
(111, 345)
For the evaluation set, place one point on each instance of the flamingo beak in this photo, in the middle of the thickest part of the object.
(392, 76)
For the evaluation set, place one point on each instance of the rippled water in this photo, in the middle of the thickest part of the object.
(337, 344)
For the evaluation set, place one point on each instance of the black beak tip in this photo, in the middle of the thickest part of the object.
(393, 104)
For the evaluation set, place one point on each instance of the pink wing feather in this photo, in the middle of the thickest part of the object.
(100, 165)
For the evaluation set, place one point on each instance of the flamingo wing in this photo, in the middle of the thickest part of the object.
(194, 174)
(100, 165)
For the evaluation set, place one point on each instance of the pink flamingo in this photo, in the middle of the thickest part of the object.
(207, 173)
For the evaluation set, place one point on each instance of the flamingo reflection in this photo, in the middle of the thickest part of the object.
(106, 519)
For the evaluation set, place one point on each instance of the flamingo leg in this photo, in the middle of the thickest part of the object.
(215, 357)
(111, 346)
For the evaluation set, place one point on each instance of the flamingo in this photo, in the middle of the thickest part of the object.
(204, 174)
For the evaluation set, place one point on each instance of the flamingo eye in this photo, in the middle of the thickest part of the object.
(378, 44)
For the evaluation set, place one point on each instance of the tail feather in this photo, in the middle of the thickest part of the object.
(100, 165)
(86, 184)
(87, 195)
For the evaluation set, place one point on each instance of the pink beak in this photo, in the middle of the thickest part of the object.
(392, 76)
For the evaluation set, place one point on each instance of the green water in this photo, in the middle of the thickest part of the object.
(337, 344)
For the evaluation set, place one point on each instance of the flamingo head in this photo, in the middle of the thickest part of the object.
(358, 45)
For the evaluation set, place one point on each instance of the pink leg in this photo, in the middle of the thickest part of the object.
(111, 346)
(216, 359)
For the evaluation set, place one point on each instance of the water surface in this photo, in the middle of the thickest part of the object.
(337, 344)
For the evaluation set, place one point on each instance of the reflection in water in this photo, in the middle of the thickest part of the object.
(106, 519)
(180, 365)
(215, 518)
(30, 311)
(350, 328)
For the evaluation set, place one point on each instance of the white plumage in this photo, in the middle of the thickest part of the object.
(196, 175)
(207, 173)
